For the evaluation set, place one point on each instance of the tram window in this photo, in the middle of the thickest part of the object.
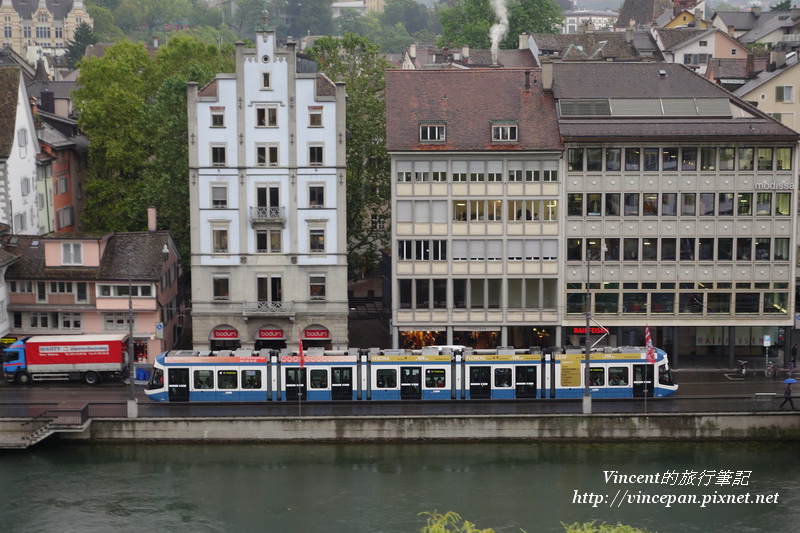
(434, 377)
(319, 379)
(386, 378)
(226, 379)
(251, 379)
(203, 379)
(157, 381)
(597, 377)
(502, 377)
(618, 376)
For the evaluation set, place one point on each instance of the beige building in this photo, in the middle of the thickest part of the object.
(774, 90)
(34, 28)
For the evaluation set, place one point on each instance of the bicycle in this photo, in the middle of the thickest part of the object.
(771, 370)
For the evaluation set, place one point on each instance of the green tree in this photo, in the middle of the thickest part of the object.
(356, 61)
(309, 17)
(409, 13)
(593, 527)
(84, 36)
(105, 27)
(133, 109)
(784, 5)
(468, 21)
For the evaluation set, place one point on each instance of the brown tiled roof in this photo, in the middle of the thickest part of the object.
(720, 68)
(210, 89)
(675, 37)
(642, 12)
(324, 86)
(9, 91)
(599, 46)
(467, 101)
(136, 256)
(643, 80)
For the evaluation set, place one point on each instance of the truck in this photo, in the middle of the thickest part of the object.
(91, 358)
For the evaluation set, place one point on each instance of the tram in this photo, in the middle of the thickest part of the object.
(433, 373)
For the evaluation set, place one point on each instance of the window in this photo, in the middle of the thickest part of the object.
(219, 196)
(219, 236)
(784, 158)
(315, 155)
(217, 117)
(266, 80)
(316, 239)
(119, 291)
(267, 154)
(59, 32)
(378, 222)
(432, 133)
(594, 159)
(316, 196)
(20, 286)
(746, 157)
(317, 287)
(764, 158)
(117, 321)
(504, 133)
(267, 116)
(26, 32)
(251, 379)
(7, 32)
(204, 379)
(220, 287)
(575, 159)
(784, 93)
(218, 156)
(708, 159)
(613, 156)
(315, 117)
(268, 241)
(404, 177)
(71, 253)
(632, 158)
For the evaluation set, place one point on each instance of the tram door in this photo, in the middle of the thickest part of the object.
(178, 383)
(643, 381)
(480, 382)
(341, 383)
(410, 383)
(526, 381)
(296, 383)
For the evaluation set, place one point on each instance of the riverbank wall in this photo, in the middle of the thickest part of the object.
(655, 427)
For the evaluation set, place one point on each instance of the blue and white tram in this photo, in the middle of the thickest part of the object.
(441, 374)
(620, 372)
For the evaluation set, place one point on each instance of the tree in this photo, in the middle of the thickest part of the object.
(309, 17)
(356, 61)
(105, 27)
(449, 522)
(133, 109)
(784, 5)
(468, 22)
(84, 36)
(409, 13)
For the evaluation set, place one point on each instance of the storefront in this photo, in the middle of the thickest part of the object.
(317, 336)
(224, 337)
(270, 337)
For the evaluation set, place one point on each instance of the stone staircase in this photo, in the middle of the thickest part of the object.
(25, 433)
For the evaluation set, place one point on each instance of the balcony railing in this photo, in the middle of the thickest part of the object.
(268, 308)
(267, 214)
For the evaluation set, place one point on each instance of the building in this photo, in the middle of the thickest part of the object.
(772, 89)
(680, 211)
(661, 200)
(694, 47)
(575, 20)
(84, 284)
(475, 203)
(34, 28)
(19, 151)
(267, 195)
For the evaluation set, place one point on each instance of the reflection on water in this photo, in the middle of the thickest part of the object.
(382, 487)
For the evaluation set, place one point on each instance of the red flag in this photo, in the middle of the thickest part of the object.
(648, 342)
(300, 349)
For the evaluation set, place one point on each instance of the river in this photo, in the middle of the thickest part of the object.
(383, 487)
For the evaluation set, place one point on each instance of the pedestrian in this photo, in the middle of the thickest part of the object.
(794, 355)
(787, 396)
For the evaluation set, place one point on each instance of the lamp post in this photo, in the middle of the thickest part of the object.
(132, 408)
(587, 393)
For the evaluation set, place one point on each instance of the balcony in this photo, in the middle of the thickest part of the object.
(267, 215)
(267, 308)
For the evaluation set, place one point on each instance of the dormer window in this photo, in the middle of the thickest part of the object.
(431, 133)
(71, 253)
(505, 132)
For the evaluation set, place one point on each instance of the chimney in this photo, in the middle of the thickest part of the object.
(756, 11)
(151, 219)
(465, 54)
(795, 13)
(523, 41)
(778, 58)
(527, 80)
(751, 64)
(412, 51)
(547, 73)
(732, 30)
(629, 34)
(698, 17)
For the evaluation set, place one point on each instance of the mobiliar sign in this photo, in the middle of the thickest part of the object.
(90, 358)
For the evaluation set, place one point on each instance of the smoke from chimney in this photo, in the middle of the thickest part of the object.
(498, 31)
